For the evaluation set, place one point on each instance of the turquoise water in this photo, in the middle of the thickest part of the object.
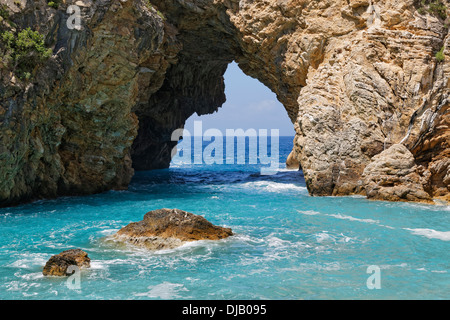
(287, 245)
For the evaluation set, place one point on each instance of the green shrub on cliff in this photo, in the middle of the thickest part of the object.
(440, 55)
(54, 3)
(4, 14)
(435, 7)
(150, 7)
(24, 51)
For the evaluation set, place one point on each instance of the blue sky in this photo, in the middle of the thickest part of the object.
(249, 105)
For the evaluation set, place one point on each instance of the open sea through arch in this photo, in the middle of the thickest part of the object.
(287, 244)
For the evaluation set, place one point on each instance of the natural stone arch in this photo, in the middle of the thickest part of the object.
(210, 38)
(116, 89)
(326, 61)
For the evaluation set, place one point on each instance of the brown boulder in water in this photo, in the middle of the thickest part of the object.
(170, 228)
(58, 264)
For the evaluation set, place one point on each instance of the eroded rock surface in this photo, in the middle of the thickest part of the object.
(170, 228)
(393, 175)
(58, 264)
(355, 78)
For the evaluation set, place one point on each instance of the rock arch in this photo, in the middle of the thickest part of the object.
(209, 41)
(115, 90)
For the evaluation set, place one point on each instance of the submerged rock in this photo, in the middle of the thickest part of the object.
(58, 264)
(170, 228)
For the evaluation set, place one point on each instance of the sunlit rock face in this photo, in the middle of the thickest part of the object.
(355, 78)
(168, 229)
(393, 175)
(62, 264)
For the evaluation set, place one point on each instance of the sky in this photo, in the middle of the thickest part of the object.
(249, 105)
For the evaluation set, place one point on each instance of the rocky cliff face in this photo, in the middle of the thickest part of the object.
(356, 77)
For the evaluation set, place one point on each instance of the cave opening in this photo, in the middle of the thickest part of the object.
(249, 104)
(209, 52)
(251, 118)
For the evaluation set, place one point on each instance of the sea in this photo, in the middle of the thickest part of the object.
(286, 245)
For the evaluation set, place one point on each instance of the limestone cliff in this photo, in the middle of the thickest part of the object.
(355, 77)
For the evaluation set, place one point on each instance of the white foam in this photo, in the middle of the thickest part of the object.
(165, 290)
(29, 294)
(431, 234)
(29, 261)
(277, 242)
(438, 206)
(104, 264)
(286, 170)
(303, 267)
(270, 186)
(421, 269)
(108, 232)
(345, 217)
(323, 236)
(309, 212)
(390, 266)
(246, 238)
(14, 286)
(32, 276)
(346, 238)
(389, 227)
(99, 265)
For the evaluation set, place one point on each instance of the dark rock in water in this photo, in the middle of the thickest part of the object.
(58, 264)
(170, 228)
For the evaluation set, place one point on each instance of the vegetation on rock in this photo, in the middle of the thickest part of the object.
(440, 55)
(150, 6)
(54, 3)
(23, 51)
(435, 7)
(4, 14)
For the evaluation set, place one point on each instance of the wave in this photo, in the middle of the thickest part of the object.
(30, 261)
(108, 232)
(165, 290)
(270, 186)
(30, 276)
(345, 217)
(273, 241)
(438, 206)
(324, 237)
(431, 234)
(340, 216)
(286, 170)
(309, 212)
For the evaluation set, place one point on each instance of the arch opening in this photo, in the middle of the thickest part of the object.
(249, 105)
(252, 121)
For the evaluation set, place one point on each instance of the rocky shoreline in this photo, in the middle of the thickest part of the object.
(355, 77)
